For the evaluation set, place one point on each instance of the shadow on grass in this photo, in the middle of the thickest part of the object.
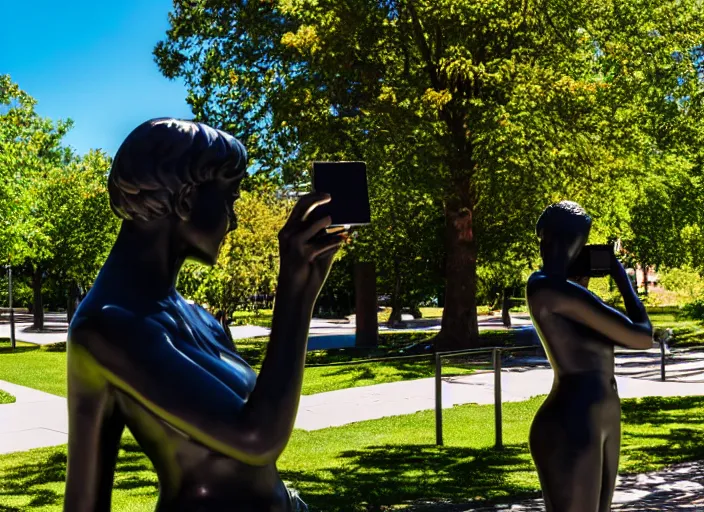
(379, 477)
(675, 433)
(391, 344)
(28, 481)
(21, 349)
(404, 369)
(660, 411)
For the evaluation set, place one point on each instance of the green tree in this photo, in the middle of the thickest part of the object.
(28, 143)
(508, 104)
(248, 261)
(74, 225)
(404, 239)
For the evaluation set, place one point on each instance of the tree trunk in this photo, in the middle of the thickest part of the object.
(459, 328)
(645, 279)
(395, 316)
(38, 306)
(367, 324)
(506, 308)
(73, 301)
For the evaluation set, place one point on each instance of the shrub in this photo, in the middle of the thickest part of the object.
(685, 282)
(694, 310)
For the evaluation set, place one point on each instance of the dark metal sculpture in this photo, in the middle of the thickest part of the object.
(575, 436)
(140, 356)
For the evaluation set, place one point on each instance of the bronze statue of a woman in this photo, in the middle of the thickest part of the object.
(575, 436)
(140, 356)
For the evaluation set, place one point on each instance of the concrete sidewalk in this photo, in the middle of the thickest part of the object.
(35, 420)
(337, 408)
(323, 334)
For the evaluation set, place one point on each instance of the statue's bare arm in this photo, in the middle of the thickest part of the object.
(95, 430)
(577, 304)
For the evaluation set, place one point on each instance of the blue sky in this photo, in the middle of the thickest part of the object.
(91, 62)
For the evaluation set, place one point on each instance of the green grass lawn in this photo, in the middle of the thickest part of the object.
(45, 368)
(429, 312)
(6, 398)
(389, 463)
(261, 317)
(34, 367)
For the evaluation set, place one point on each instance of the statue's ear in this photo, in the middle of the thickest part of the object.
(183, 203)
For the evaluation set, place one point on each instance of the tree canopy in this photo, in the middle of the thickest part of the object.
(506, 105)
(56, 216)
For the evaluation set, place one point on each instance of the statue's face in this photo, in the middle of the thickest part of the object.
(567, 247)
(211, 218)
(575, 247)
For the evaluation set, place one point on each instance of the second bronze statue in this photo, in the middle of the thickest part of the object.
(575, 436)
(142, 357)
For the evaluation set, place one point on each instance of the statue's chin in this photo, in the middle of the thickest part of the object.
(204, 258)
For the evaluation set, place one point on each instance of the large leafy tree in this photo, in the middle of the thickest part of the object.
(508, 104)
(665, 217)
(404, 239)
(29, 144)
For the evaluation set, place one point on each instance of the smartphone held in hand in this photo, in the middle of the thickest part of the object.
(346, 182)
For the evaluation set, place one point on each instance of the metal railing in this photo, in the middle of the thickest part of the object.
(496, 353)
(496, 368)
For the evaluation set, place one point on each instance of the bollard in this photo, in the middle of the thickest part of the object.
(497, 399)
(438, 400)
(12, 311)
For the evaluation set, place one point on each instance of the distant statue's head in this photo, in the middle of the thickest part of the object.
(563, 229)
(182, 171)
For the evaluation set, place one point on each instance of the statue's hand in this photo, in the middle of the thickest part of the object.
(305, 249)
(617, 269)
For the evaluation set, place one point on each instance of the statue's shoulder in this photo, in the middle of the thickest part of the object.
(96, 324)
(536, 281)
(541, 285)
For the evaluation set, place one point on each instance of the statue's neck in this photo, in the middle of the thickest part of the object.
(144, 257)
(555, 266)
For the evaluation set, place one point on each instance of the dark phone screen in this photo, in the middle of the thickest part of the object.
(346, 182)
(593, 261)
(600, 256)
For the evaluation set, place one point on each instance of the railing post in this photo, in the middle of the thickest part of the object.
(12, 311)
(438, 399)
(497, 399)
(662, 359)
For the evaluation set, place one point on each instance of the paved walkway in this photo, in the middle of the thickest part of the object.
(323, 334)
(35, 420)
(337, 408)
(40, 419)
(679, 487)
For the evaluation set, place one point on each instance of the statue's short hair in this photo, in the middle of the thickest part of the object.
(563, 218)
(162, 158)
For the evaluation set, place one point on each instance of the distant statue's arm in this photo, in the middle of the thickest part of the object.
(573, 302)
(635, 309)
(95, 430)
